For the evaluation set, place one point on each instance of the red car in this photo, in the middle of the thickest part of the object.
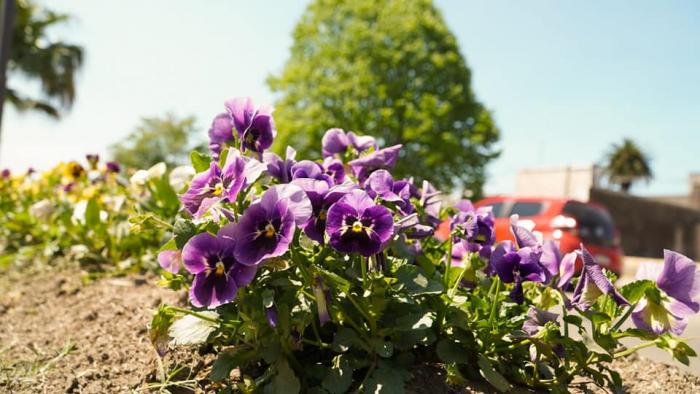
(568, 221)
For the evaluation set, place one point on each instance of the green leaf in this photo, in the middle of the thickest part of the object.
(192, 330)
(170, 245)
(228, 360)
(200, 161)
(451, 352)
(383, 348)
(416, 281)
(573, 319)
(340, 378)
(92, 213)
(184, 230)
(387, 379)
(160, 324)
(634, 291)
(285, 380)
(344, 339)
(492, 376)
(415, 321)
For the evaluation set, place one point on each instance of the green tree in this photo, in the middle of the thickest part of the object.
(155, 140)
(627, 164)
(391, 69)
(34, 56)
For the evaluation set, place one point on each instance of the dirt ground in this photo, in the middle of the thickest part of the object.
(58, 335)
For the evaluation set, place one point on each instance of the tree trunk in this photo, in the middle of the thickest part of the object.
(7, 24)
(626, 186)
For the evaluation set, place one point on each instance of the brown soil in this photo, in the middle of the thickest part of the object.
(58, 335)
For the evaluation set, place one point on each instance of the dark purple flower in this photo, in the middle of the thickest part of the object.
(271, 314)
(322, 197)
(267, 227)
(278, 168)
(523, 236)
(220, 184)
(92, 159)
(380, 159)
(220, 133)
(113, 166)
(5, 173)
(255, 127)
(30, 170)
(217, 273)
(431, 203)
(336, 141)
(335, 169)
(537, 319)
(593, 283)
(679, 282)
(557, 266)
(312, 170)
(515, 265)
(476, 226)
(170, 260)
(356, 224)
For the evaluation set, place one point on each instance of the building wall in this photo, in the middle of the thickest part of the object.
(557, 182)
(647, 227)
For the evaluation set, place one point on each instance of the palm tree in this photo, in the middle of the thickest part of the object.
(35, 57)
(627, 164)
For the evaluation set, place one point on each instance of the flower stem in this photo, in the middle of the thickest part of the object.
(633, 349)
(199, 315)
(564, 313)
(448, 261)
(623, 318)
(494, 305)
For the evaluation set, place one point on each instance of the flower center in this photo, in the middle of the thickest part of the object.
(357, 226)
(220, 268)
(218, 189)
(322, 215)
(270, 230)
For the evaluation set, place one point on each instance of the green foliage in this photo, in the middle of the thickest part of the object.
(393, 71)
(34, 55)
(168, 139)
(627, 163)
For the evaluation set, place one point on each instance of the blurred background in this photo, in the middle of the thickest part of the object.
(541, 102)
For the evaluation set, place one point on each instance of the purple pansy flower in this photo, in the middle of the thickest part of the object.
(679, 280)
(278, 168)
(335, 169)
(380, 159)
(381, 184)
(557, 266)
(537, 319)
(356, 224)
(218, 274)
(477, 228)
(220, 133)
(336, 141)
(92, 159)
(170, 260)
(219, 184)
(255, 126)
(113, 167)
(311, 170)
(271, 314)
(322, 197)
(515, 265)
(5, 173)
(593, 283)
(267, 227)
(431, 203)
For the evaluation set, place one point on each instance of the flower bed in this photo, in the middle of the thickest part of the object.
(324, 276)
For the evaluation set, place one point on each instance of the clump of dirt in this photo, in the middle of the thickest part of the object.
(58, 334)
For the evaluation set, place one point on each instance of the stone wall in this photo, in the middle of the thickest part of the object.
(647, 226)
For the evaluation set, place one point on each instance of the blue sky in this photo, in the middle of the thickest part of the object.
(565, 79)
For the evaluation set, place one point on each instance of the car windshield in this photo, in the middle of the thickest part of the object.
(595, 226)
(525, 209)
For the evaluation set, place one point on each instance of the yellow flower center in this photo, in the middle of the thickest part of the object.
(270, 230)
(220, 268)
(218, 189)
(322, 215)
(357, 226)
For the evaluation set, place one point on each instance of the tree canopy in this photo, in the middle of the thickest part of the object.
(167, 139)
(627, 163)
(36, 57)
(391, 69)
